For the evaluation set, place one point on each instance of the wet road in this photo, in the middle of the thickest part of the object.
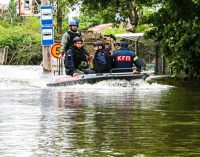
(110, 118)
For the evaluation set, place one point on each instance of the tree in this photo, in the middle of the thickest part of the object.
(176, 26)
(87, 21)
(114, 11)
(12, 12)
(24, 46)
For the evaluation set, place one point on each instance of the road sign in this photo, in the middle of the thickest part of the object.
(46, 15)
(55, 50)
(47, 36)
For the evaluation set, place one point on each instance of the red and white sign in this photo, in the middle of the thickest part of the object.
(123, 58)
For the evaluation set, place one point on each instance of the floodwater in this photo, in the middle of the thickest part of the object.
(113, 118)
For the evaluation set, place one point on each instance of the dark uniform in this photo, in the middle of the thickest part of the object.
(101, 60)
(75, 59)
(124, 58)
(108, 50)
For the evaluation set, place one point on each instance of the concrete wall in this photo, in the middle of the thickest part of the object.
(3, 55)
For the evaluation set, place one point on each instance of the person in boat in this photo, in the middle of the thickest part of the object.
(108, 50)
(76, 58)
(117, 46)
(109, 53)
(101, 62)
(67, 38)
(124, 59)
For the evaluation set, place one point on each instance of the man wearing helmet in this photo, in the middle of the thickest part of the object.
(124, 59)
(101, 62)
(67, 38)
(75, 58)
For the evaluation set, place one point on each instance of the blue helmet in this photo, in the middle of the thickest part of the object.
(73, 23)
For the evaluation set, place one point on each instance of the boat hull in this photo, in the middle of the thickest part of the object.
(93, 78)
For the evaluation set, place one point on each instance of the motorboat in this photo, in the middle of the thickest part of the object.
(66, 80)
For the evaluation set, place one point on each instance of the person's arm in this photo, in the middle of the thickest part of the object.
(137, 63)
(64, 42)
(88, 56)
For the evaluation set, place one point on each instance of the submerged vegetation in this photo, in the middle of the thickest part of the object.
(173, 24)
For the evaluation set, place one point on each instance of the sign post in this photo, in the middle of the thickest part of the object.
(55, 52)
(46, 15)
(47, 34)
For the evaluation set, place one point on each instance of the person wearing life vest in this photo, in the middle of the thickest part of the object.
(101, 61)
(75, 58)
(124, 58)
(67, 38)
(109, 52)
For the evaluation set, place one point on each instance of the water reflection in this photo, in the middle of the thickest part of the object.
(97, 120)
(120, 123)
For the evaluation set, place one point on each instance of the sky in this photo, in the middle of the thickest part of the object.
(4, 1)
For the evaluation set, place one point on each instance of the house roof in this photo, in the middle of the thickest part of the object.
(136, 37)
(101, 28)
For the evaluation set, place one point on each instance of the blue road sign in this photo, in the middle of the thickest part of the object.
(47, 36)
(46, 15)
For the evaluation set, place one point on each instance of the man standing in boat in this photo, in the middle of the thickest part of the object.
(67, 38)
(76, 58)
(124, 59)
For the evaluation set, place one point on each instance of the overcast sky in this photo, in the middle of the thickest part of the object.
(4, 1)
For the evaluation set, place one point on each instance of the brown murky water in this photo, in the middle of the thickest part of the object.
(110, 118)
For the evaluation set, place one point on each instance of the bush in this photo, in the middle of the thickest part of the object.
(23, 40)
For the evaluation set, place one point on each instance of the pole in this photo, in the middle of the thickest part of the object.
(136, 46)
(46, 49)
(163, 65)
(157, 56)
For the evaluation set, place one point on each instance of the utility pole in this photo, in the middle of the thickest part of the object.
(46, 49)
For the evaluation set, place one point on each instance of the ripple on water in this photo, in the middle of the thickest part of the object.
(109, 118)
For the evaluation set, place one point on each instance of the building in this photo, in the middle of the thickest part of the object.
(3, 8)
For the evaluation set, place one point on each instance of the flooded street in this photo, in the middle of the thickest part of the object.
(110, 118)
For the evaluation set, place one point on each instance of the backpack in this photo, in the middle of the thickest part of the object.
(101, 57)
(71, 36)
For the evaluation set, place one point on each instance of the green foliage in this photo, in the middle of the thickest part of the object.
(110, 11)
(87, 21)
(176, 26)
(11, 14)
(23, 40)
(114, 31)
(107, 11)
(143, 28)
